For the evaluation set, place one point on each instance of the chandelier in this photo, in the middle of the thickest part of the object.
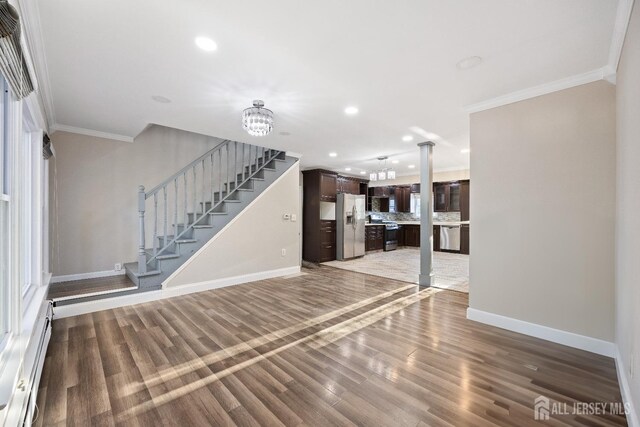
(256, 120)
(383, 171)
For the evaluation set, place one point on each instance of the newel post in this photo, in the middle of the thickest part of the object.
(142, 258)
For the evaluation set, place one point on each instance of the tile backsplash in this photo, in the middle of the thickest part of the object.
(407, 216)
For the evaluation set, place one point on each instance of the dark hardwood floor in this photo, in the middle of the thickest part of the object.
(327, 347)
(87, 286)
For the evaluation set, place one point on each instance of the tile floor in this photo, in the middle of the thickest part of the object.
(451, 271)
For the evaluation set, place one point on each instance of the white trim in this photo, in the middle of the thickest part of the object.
(96, 293)
(623, 16)
(105, 304)
(91, 275)
(293, 154)
(229, 224)
(625, 390)
(543, 89)
(90, 132)
(4, 198)
(558, 336)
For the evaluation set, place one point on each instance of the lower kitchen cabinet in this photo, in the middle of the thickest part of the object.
(464, 239)
(412, 235)
(374, 237)
(400, 235)
(436, 237)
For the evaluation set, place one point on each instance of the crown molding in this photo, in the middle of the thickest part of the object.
(543, 89)
(608, 72)
(90, 132)
(621, 24)
(30, 17)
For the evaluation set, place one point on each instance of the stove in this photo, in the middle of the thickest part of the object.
(390, 235)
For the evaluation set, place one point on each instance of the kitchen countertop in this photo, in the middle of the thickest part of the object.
(434, 223)
(451, 223)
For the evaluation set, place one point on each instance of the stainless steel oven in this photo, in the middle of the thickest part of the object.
(390, 236)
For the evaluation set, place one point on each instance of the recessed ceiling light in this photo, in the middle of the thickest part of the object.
(465, 150)
(363, 172)
(350, 111)
(411, 166)
(285, 133)
(206, 44)
(333, 154)
(470, 62)
(161, 99)
(395, 162)
(347, 169)
(407, 138)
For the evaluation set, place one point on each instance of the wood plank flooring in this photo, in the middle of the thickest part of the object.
(87, 286)
(326, 347)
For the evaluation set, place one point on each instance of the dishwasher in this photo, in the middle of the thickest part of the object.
(450, 237)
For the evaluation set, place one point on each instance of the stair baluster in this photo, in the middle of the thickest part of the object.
(142, 257)
(250, 159)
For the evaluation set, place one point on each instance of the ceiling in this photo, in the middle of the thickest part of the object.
(394, 60)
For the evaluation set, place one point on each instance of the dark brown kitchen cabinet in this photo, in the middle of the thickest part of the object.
(436, 237)
(374, 237)
(381, 191)
(440, 197)
(403, 199)
(400, 235)
(328, 187)
(411, 235)
(450, 196)
(415, 188)
(454, 197)
(464, 200)
(319, 233)
(464, 239)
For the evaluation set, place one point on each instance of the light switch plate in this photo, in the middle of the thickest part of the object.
(293, 217)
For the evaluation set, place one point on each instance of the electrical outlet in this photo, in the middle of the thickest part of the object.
(117, 266)
(284, 252)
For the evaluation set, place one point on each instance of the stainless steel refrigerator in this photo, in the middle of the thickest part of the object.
(350, 220)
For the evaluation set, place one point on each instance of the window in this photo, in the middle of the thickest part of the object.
(415, 204)
(4, 217)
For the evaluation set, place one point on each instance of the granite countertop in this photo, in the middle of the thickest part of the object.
(372, 223)
(452, 223)
(434, 222)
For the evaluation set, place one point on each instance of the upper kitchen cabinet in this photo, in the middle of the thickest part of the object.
(328, 186)
(348, 185)
(464, 200)
(403, 199)
(440, 197)
(380, 191)
(451, 197)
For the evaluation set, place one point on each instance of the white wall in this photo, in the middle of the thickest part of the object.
(628, 207)
(253, 242)
(543, 205)
(94, 185)
(414, 179)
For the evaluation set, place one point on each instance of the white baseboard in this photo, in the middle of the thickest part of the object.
(91, 275)
(558, 336)
(625, 390)
(115, 302)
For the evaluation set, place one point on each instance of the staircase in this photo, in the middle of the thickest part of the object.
(190, 207)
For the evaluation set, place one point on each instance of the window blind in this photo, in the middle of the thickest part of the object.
(13, 64)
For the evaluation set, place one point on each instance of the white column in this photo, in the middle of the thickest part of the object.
(426, 213)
